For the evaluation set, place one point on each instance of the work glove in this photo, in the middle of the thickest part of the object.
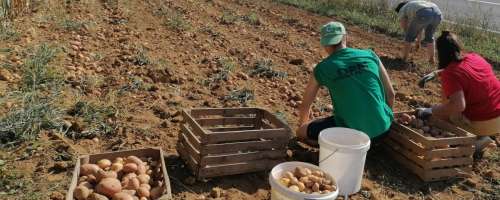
(429, 77)
(423, 113)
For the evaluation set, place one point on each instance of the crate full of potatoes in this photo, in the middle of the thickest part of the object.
(124, 175)
(433, 149)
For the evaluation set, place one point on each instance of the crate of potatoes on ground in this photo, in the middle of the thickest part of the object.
(226, 141)
(433, 149)
(123, 175)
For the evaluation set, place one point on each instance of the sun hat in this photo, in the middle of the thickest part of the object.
(332, 33)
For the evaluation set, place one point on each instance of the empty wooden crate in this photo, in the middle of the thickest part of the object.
(430, 158)
(226, 141)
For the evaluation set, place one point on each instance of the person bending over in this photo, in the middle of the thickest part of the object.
(417, 16)
(359, 87)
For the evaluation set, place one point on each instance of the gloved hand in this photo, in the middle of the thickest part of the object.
(429, 77)
(423, 113)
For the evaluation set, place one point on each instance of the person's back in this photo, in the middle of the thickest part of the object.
(353, 80)
(481, 88)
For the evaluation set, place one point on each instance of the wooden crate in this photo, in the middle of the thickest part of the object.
(226, 141)
(154, 153)
(432, 159)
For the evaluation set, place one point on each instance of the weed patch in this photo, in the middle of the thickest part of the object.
(264, 68)
(94, 119)
(243, 96)
(252, 19)
(71, 25)
(7, 31)
(229, 18)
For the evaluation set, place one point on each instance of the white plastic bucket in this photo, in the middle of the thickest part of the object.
(280, 192)
(342, 154)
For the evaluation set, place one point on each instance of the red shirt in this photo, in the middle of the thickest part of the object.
(481, 88)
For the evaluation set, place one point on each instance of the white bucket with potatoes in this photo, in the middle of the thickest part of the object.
(280, 192)
(342, 154)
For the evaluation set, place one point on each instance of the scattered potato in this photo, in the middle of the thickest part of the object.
(307, 181)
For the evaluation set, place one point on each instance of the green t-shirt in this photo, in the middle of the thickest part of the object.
(353, 80)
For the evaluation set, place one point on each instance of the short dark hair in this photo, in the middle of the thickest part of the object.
(400, 5)
(448, 48)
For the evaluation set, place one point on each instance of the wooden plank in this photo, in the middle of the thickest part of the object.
(191, 137)
(204, 122)
(443, 174)
(274, 120)
(190, 161)
(449, 127)
(406, 142)
(405, 162)
(244, 146)
(217, 137)
(267, 126)
(436, 142)
(416, 137)
(238, 168)
(236, 128)
(406, 153)
(241, 157)
(194, 125)
(449, 152)
(258, 118)
(450, 162)
(227, 112)
(190, 149)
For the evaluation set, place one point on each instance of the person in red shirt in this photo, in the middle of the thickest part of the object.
(471, 91)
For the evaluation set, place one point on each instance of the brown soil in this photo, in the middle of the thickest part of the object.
(115, 28)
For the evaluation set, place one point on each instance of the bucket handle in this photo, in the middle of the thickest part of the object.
(328, 156)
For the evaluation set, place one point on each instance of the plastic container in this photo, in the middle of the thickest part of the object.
(280, 192)
(342, 154)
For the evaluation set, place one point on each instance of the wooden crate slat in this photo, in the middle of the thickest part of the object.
(406, 142)
(241, 157)
(243, 146)
(193, 125)
(451, 162)
(410, 133)
(188, 159)
(436, 142)
(419, 171)
(441, 174)
(267, 126)
(238, 168)
(407, 154)
(191, 137)
(448, 152)
(195, 153)
(447, 126)
(216, 137)
(274, 120)
(226, 121)
(222, 111)
(258, 118)
(236, 128)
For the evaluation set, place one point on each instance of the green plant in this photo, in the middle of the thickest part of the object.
(244, 95)
(95, 119)
(141, 58)
(228, 18)
(264, 68)
(252, 19)
(279, 33)
(71, 25)
(175, 20)
(36, 97)
(7, 31)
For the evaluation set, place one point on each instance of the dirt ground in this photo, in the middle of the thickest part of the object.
(185, 44)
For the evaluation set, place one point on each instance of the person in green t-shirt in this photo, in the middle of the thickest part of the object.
(359, 87)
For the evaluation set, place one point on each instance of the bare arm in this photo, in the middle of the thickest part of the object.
(386, 81)
(309, 96)
(455, 105)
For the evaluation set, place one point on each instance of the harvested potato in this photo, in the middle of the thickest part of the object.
(133, 184)
(117, 167)
(81, 193)
(144, 185)
(307, 181)
(144, 178)
(122, 196)
(294, 188)
(130, 168)
(141, 169)
(109, 187)
(96, 196)
(104, 163)
(88, 169)
(285, 181)
(157, 192)
(101, 174)
(131, 192)
(86, 184)
(143, 192)
(119, 160)
(133, 159)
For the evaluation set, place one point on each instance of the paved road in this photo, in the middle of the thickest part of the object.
(457, 10)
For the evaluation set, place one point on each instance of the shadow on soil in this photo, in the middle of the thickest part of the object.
(397, 63)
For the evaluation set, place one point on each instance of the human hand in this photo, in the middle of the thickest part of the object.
(423, 113)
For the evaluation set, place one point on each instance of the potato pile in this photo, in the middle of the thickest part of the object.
(127, 178)
(423, 127)
(308, 181)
